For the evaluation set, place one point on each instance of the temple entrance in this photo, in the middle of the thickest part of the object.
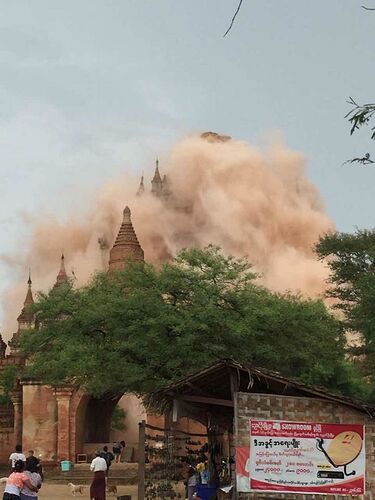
(99, 421)
(99, 413)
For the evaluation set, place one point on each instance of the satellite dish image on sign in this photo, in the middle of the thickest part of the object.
(343, 450)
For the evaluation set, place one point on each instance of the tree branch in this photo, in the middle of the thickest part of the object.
(233, 18)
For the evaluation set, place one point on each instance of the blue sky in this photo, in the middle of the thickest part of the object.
(91, 88)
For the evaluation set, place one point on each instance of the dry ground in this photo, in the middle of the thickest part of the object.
(62, 492)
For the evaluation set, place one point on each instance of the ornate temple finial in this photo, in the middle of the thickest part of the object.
(62, 277)
(26, 316)
(126, 216)
(141, 188)
(126, 246)
(157, 183)
(26, 321)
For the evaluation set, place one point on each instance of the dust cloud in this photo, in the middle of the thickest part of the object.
(252, 203)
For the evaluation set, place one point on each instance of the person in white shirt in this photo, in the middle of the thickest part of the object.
(98, 467)
(17, 455)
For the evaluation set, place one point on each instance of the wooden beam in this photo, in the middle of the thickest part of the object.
(206, 400)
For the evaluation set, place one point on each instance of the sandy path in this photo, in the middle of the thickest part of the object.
(62, 492)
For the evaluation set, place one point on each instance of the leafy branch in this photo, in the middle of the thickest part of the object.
(360, 115)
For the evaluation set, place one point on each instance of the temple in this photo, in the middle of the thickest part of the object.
(59, 423)
(62, 277)
(126, 247)
(160, 187)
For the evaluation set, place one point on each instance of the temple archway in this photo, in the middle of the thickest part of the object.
(98, 419)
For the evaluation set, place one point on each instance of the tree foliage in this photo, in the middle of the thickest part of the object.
(7, 382)
(360, 115)
(144, 327)
(118, 419)
(351, 259)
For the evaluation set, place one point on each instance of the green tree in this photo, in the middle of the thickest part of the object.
(118, 419)
(139, 329)
(351, 259)
(7, 382)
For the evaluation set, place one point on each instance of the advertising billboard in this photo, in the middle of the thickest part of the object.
(303, 457)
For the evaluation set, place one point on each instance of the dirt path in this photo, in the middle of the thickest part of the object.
(62, 492)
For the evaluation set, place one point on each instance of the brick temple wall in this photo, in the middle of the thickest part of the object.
(39, 421)
(272, 407)
(6, 444)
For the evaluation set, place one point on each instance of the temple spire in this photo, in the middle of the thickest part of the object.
(141, 188)
(26, 321)
(126, 247)
(62, 277)
(166, 190)
(157, 183)
(26, 316)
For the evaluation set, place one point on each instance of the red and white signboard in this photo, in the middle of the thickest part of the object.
(304, 457)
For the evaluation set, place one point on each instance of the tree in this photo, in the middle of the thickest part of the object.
(140, 329)
(118, 419)
(361, 115)
(7, 383)
(351, 259)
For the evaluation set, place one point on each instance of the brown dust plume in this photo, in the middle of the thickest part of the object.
(253, 204)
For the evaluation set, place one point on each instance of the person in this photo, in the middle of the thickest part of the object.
(32, 472)
(17, 455)
(122, 448)
(117, 451)
(98, 467)
(191, 483)
(16, 482)
(33, 461)
(108, 457)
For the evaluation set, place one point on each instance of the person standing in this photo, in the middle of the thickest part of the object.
(117, 452)
(34, 462)
(108, 457)
(191, 483)
(16, 482)
(98, 467)
(17, 455)
(122, 450)
(32, 472)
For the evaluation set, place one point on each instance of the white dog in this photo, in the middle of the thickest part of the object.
(76, 489)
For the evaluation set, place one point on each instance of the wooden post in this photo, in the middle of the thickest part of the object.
(141, 460)
(234, 386)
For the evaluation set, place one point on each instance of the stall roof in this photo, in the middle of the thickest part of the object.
(216, 383)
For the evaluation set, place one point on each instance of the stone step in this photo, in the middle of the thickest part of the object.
(122, 474)
(80, 472)
(86, 481)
